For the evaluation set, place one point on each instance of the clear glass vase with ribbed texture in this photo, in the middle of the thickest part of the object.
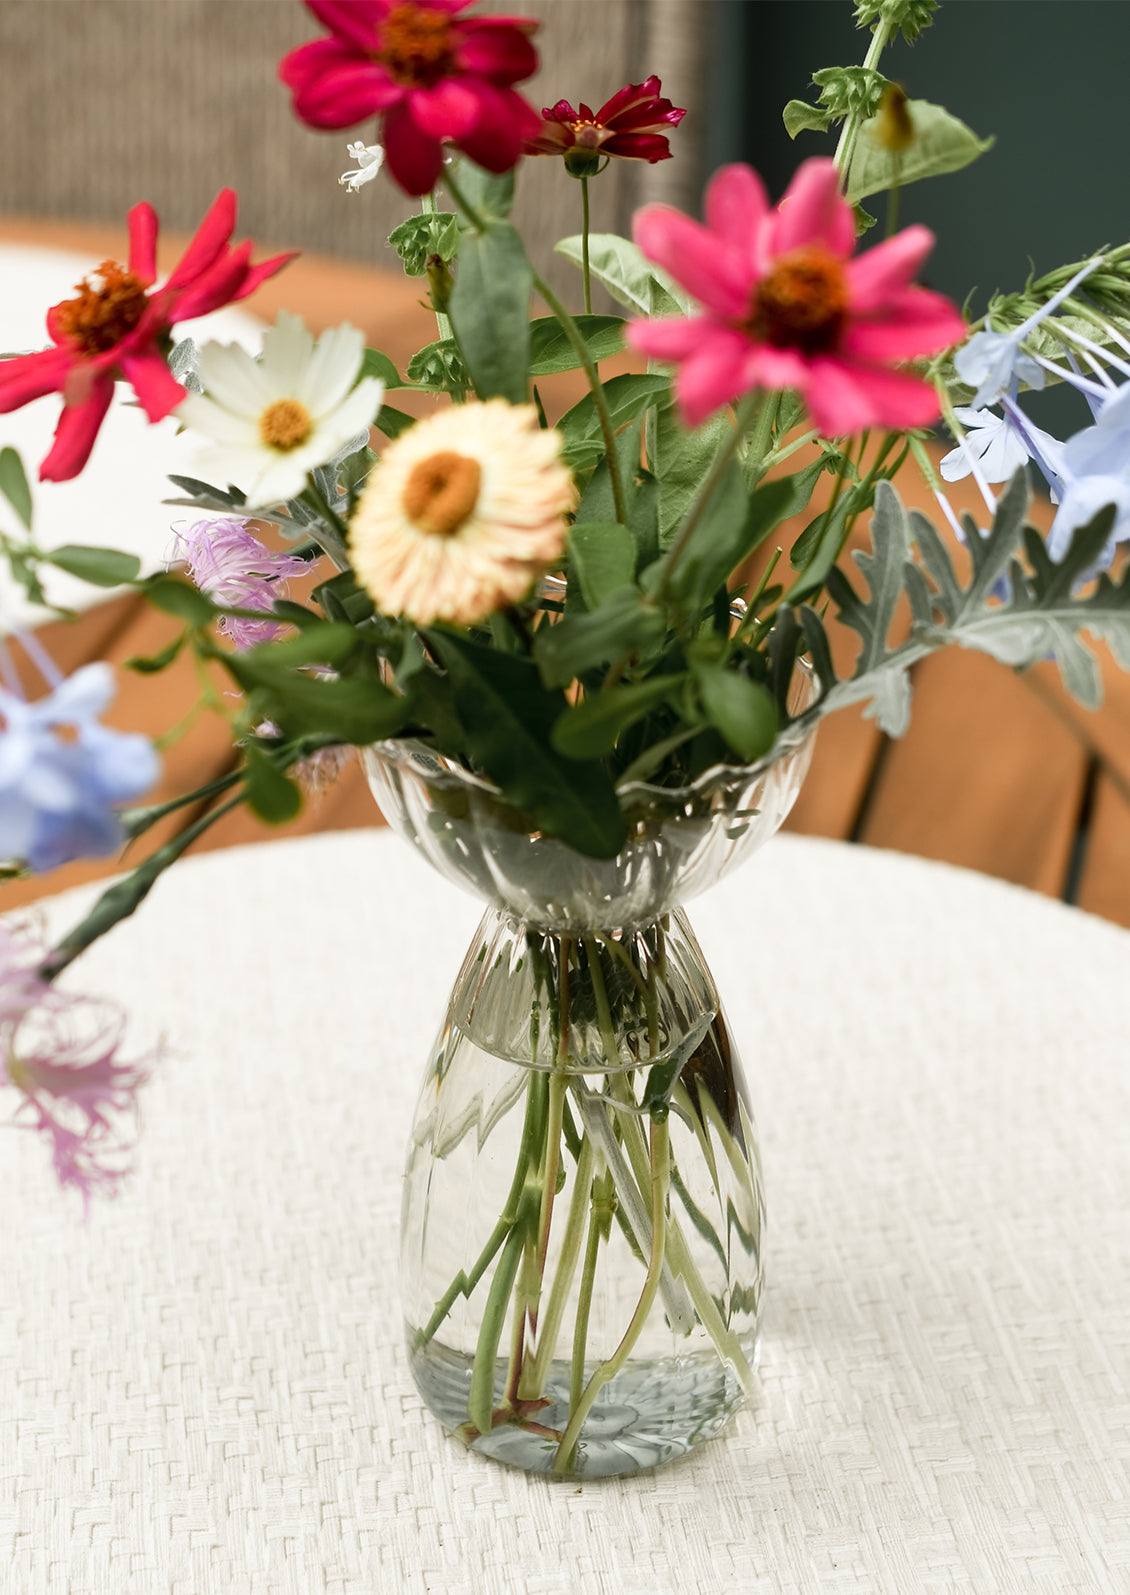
(581, 1253)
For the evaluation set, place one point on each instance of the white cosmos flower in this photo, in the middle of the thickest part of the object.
(273, 419)
(370, 158)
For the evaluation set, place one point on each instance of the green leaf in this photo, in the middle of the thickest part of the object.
(627, 397)
(489, 311)
(203, 496)
(628, 275)
(178, 598)
(941, 144)
(506, 714)
(800, 117)
(343, 598)
(351, 709)
(623, 625)
(392, 422)
(730, 528)
(741, 709)
(679, 458)
(602, 557)
(551, 351)
(101, 567)
(324, 642)
(25, 572)
(490, 193)
(376, 364)
(433, 233)
(271, 795)
(13, 484)
(590, 729)
(438, 365)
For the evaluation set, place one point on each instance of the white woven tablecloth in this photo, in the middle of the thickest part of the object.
(204, 1392)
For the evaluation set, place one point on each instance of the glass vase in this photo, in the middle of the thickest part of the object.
(581, 1252)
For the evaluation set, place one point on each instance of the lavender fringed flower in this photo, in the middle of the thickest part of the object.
(229, 563)
(60, 1051)
(62, 774)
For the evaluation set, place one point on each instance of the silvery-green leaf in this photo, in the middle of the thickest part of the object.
(941, 144)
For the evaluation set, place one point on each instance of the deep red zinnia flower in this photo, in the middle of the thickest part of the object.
(431, 79)
(118, 326)
(785, 307)
(633, 125)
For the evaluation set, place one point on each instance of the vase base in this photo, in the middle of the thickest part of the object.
(651, 1412)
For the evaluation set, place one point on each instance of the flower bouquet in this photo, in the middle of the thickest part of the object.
(579, 686)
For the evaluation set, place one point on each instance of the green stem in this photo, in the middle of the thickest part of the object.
(846, 146)
(443, 322)
(585, 245)
(121, 899)
(660, 1184)
(335, 545)
(600, 1226)
(532, 1381)
(480, 1402)
(580, 349)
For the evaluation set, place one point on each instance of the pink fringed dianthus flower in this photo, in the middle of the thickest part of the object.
(61, 1053)
(785, 305)
(118, 326)
(229, 563)
(431, 76)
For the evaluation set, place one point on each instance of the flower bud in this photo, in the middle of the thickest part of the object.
(440, 282)
(895, 128)
(581, 161)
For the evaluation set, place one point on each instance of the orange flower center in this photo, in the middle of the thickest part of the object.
(589, 135)
(101, 317)
(802, 303)
(285, 424)
(416, 44)
(441, 492)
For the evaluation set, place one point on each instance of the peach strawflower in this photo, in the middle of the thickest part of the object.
(462, 514)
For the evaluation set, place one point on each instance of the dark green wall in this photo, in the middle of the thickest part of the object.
(1050, 78)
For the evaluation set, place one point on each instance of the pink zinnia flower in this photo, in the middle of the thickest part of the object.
(118, 326)
(633, 125)
(431, 79)
(784, 305)
(229, 563)
(61, 1052)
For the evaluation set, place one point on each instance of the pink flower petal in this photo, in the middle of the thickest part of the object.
(256, 275)
(713, 375)
(812, 212)
(497, 48)
(776, 368)
(847, 396)
(217, 286)
(650, 147)
(449, 110)
(414, 160)
(75, 434)
(346, 94)
(913, 322)
(505, 122)
(355, 22)
(153, 382)
(30, 376)
(211, 236)
(673, 338)
(143, 243)
(561, 112)
(736, 208)
(891, 265)
(705, 265)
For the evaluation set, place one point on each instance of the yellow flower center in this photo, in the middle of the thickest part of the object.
(802, 303)
(441, 492)
(285, 425)
(102, 316)
(416, 43)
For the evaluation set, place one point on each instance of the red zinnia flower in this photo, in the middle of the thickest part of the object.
(633, 125)
(785, 307)
(429, 77)
(118, 326)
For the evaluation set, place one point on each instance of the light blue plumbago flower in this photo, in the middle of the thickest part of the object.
(996, 444)
(62, 774)
(1094, 472)
(993, 362)
(229, 563)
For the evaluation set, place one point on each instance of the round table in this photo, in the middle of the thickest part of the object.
(205, 1390)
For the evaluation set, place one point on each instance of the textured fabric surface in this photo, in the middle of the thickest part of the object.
(204, 1390)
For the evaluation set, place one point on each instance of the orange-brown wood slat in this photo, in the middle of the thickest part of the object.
(1104, 883)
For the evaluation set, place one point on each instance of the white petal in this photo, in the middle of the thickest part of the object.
(288, 348)
(234, 379)
(332, 370)
(205, 415)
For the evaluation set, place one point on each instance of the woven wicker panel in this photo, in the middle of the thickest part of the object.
(204, 1389)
